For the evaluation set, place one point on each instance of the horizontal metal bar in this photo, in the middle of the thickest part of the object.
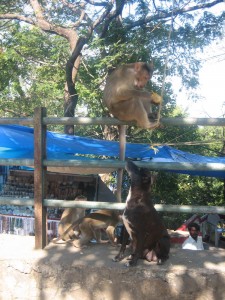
(17, 121)
(118, 164)
(83, 204)
(84, 121)
(111, 205)
(16, 162)
(90, 163)
(113, 121)
(191, 209)
(121, 206)
(114, 164)
(17, 201)
(193, 121)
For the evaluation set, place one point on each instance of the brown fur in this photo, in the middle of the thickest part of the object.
(125, 97)
(92, 224)
(70, 216)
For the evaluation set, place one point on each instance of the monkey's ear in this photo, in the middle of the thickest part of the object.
(138, 66)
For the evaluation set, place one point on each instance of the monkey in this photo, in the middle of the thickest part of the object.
(125, 97)
(69, 216)
(91, 225)
(149, 237)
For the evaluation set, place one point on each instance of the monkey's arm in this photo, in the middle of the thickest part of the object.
(124, 94)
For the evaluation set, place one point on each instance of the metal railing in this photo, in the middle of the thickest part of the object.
(40, 163)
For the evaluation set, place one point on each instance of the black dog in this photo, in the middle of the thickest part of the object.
(148, 234)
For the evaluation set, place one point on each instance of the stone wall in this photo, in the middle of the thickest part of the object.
(62, 272)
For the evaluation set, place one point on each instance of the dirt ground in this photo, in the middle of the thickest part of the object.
(64, 272)
(22, 247)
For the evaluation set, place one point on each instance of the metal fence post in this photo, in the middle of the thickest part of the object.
(122, 140)
(40, 212)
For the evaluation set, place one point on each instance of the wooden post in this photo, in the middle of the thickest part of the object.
(40, 212)
(122, 140)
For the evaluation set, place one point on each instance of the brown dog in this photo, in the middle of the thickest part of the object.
(149, 237)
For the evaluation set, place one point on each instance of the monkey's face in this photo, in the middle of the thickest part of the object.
(141, 79)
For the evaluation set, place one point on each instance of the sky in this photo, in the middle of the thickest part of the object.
(211, 90)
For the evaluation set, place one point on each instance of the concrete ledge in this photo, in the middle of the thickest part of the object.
(62, 272)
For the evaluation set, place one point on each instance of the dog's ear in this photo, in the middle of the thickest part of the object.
(131, 167)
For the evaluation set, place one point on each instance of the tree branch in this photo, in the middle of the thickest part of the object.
(175, 12)
(40, 21)
(93, 2)
(17, 17)
(77, 10)
(116, 13)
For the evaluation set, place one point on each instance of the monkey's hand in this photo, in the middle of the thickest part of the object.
(152, 116)
(156, 98)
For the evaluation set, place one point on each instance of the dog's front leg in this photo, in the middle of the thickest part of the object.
(120, 255)
(133, 258)
(137, 245)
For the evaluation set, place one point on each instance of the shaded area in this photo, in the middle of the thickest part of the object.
(63, 272)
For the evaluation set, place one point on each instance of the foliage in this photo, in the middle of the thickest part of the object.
(33, 72)
(140, 33)
(35, 50)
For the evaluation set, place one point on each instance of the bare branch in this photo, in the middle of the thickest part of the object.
(112, 16)
(77, 9)
(175, 13)
(43, 23)
(17, 114)
(17, 17)
(93, 2)
(102, 17)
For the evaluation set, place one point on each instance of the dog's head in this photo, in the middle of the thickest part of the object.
(141, 178)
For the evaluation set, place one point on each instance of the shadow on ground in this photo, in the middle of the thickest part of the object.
(63, 272)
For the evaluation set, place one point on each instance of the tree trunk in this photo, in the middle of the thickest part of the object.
(71, 96)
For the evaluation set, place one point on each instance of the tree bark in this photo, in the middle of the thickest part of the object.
(71, 96)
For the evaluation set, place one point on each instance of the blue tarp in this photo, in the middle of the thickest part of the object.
(18, 142)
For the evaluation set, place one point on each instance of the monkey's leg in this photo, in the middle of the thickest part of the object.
(152, 116)
(96, 234)
(133, 110)
(86, 235)
(77, 233)
(110, 230)
(141, 116)
(62, 231)
(123, 110)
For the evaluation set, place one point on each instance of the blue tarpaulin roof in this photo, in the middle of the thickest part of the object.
(18, 142)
